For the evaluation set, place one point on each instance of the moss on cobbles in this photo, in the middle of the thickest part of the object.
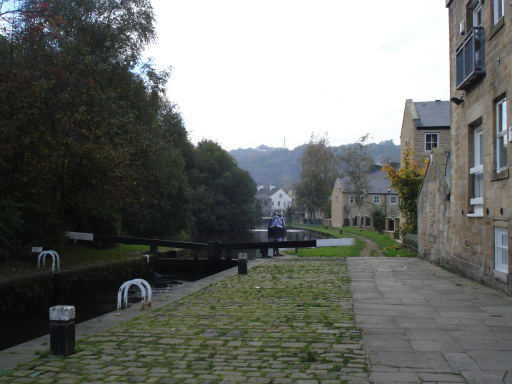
(286, 321)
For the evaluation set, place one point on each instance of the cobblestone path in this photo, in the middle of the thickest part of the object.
(288, 321)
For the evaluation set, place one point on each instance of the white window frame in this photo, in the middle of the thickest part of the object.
(376, 199)
(477, 15)
(393, 200)
(478, 169)
(351, 199)
(500, 124)
(501, 249)
(431, 134)
(498, 11)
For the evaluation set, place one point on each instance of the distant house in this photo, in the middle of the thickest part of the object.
(273, 200)
(425, 126)
(263, 196)
(345, 212)
(280, 201)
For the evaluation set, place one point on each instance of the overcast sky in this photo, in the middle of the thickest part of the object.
(248, 72)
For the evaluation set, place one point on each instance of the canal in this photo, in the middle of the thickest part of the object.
(16, 329)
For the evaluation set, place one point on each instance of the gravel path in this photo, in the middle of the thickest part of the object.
(370, 246)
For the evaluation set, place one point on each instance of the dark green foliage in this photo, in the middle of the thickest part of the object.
(159, 202)
(11, 227)
(378, 219)
(224, 193)
(88, 140)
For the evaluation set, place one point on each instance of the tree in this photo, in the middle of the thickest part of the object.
(357, 164)
(76, 109)
(379, 219)
(159, 202)
(319, 170)
(224, 195)
(407, 181)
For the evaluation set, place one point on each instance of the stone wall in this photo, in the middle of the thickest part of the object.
(433, 211)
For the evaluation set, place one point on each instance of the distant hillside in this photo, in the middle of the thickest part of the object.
(280, 166)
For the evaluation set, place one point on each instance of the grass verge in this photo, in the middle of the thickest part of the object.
(74, 256)
(386, 244)
(345, 251)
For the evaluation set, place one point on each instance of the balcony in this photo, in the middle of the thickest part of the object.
(470, 59)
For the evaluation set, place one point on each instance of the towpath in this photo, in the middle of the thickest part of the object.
(369, 247)
(422, 324)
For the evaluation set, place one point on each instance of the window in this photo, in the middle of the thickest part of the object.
(477, 15)
(501, 249)
(431, 141)
(351, 199)
(473, 15)
(368, 222)
(470, 59)
(393, 199)
(376, 199)
(497, 11)
(501, 134)
(477, 171)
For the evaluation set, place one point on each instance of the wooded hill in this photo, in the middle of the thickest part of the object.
(280, 166)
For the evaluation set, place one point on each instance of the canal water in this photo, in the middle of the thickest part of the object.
(17, 330)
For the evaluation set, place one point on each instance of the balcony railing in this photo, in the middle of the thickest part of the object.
(470, 59)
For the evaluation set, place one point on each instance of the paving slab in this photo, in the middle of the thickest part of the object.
(423, 324)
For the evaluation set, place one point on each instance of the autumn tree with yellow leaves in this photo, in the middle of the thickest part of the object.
(407, 181)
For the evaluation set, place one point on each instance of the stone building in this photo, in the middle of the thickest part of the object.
(345, 212)
(263, 196)
(425, 126)
(480, 207)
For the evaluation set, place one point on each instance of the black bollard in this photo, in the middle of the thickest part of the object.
(62, 330)
(242, 263)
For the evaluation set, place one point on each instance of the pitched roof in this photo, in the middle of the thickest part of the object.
(378, 182)
(264, 194)
(433, 114)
